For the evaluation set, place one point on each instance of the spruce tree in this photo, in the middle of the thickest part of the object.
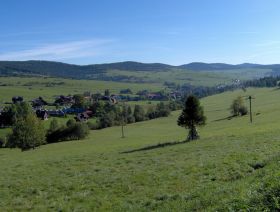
(192, 116)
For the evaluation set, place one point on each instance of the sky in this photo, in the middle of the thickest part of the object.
(164, 31)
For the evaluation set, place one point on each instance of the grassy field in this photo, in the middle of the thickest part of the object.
(196, 78)
(49, 87)
(221, 171)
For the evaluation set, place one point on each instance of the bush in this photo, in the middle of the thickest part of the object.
(238, 108)
(105, 121)
(130, 119)
(243, 111)
(139, 113)
(93, 126)
(70, 123)
(74, 131)
(54, 125)
(2, 143)
(161, 110)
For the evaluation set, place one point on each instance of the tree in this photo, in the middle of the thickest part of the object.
(54, 125)
(11, 114)
(192, 116)
(70, 123)
(162, 110)
(127, 114)
(107, 92)
(79, 101)
(238, 108)
(73, 131)
(139, 113)
(27, 133)
(106, 120)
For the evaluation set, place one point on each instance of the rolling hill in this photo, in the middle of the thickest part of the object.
(135, 72)
(56, 69)
(233, 167)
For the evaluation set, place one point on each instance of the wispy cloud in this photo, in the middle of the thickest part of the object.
(59, 51)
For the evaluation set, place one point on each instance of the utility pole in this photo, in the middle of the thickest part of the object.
(250, 102)
(123, 130)
(124, 111)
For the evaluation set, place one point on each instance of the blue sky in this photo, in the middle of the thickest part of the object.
(167, 31)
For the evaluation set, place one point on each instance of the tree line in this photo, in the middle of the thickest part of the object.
(109, 115)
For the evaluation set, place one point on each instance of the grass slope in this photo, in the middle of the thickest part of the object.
(214, 173)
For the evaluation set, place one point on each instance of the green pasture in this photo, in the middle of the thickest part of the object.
(218, 172)
(34, 87)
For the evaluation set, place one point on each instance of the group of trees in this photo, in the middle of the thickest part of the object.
(29, 132)
(14, 112)
(271, 81)
(109, 115)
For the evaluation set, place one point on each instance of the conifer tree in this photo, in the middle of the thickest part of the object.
(192, 116)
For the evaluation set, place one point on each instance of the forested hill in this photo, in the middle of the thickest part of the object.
(58, 69)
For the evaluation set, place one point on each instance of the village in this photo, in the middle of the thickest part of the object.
(79, 105)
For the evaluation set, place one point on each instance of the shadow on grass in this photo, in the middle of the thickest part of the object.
(160, 145)
(227, 118)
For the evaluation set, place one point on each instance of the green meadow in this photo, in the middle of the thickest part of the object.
(222, 171)
(32, 87)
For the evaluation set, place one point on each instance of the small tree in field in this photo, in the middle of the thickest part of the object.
(238, 108)
(192, 116)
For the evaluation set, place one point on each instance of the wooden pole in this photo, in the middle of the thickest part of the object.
(250, 102)
(123, 120)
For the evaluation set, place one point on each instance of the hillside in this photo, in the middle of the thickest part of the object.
(226, 170)
(134, 72)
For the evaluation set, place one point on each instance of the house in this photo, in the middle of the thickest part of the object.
(154, 96)
(112, 99)
(82, 117)
(89, 113)
(175, 95)
(64, 100)
(42, 114)
(39, 102)
(56, 113)
(17, 99)
(70, 110)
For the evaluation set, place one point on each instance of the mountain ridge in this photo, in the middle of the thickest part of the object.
(60, 69)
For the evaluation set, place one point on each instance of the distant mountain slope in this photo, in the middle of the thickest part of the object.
(58, 69)
(217, 66)
(132, 66)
